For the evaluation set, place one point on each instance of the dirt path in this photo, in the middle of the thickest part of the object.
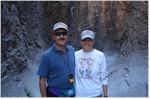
(128, 77)
(31, 79)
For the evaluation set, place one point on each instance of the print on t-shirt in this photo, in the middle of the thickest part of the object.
(85, 68)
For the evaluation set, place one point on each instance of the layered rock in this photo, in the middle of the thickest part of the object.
(121, 29)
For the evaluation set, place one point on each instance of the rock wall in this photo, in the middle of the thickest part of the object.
(121, 29)
(22, 37)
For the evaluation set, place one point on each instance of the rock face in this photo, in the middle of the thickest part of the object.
(22, 37)
(121, 30)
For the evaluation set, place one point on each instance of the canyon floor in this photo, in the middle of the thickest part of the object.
(128, 76)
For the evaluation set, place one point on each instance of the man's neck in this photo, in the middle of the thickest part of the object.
(61, 47)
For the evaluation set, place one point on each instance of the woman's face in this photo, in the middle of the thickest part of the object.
(87, 44)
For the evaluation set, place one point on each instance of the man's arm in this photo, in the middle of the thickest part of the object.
(42, 85)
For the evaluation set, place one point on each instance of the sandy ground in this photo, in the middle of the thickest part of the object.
(31, 79)
(128, 76)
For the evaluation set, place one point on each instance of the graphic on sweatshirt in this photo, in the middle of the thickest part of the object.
(85, 67)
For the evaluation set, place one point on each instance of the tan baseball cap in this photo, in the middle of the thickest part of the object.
(87, 34)
(60, 25)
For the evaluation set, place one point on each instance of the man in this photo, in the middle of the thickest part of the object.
(91, 76)
(57, 66)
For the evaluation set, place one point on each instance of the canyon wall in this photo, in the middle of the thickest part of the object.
(121, 29)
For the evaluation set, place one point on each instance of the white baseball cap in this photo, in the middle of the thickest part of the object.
(60, 25)
(87, 34)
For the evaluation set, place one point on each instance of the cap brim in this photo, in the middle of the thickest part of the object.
(86, 37)
(60, 28)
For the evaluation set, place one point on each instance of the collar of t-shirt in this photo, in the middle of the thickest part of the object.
(56, 50)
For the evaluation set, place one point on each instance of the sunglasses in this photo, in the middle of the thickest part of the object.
(60, 33)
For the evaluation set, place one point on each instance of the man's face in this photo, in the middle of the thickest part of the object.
(87, 44)
(60, 37)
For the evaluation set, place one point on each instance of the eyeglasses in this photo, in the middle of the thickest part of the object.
(60, 33)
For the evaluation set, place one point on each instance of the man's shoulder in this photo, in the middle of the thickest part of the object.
(48, 51)
(70, 47)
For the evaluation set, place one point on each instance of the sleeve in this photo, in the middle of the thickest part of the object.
(44, 67)
(104, 72)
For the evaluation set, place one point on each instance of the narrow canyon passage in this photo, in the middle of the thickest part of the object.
(121, 32)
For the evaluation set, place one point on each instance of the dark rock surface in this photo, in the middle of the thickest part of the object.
(121, 29)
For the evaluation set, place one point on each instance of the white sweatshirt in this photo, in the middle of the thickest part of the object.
(90, 73)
